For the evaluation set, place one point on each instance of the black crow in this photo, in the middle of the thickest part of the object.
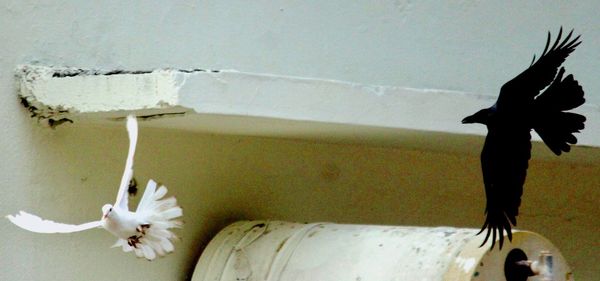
(520, 107)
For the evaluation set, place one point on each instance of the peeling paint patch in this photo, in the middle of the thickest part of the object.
(152, 116)
(160, 115)
(466, 264)
(54, 122)
(52, 116)
(280, 246)
(62, 72)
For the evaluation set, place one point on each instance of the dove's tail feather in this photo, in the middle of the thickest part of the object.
(160, 215)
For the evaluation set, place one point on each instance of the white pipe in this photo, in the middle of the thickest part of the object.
(274, 251)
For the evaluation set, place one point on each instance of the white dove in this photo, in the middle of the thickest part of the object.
(145, 231)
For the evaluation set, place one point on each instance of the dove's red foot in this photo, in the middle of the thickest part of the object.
(133, 241)
(142, 228)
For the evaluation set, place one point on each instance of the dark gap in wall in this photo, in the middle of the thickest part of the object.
(76, 72)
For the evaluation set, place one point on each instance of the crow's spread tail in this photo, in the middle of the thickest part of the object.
(555, 126)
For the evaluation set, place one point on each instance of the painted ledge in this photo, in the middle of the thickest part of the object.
(232, 102)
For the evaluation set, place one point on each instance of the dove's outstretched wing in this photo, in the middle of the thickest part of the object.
(36, 224)
(132, 130)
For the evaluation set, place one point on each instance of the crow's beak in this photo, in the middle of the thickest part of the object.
(468, 120)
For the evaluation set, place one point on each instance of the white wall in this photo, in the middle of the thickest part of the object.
(471, 46)
(68, 173)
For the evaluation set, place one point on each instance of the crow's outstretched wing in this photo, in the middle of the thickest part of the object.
(34, 223)
(504, 162)
(520, 91)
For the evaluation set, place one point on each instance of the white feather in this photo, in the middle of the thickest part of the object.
(36, 224)
(147, 197)
(149, 253)
(132, 130)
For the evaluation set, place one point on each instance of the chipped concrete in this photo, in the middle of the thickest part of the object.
(57, 92)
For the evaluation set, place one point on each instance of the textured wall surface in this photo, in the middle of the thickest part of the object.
(471, 46)
(67, 174)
